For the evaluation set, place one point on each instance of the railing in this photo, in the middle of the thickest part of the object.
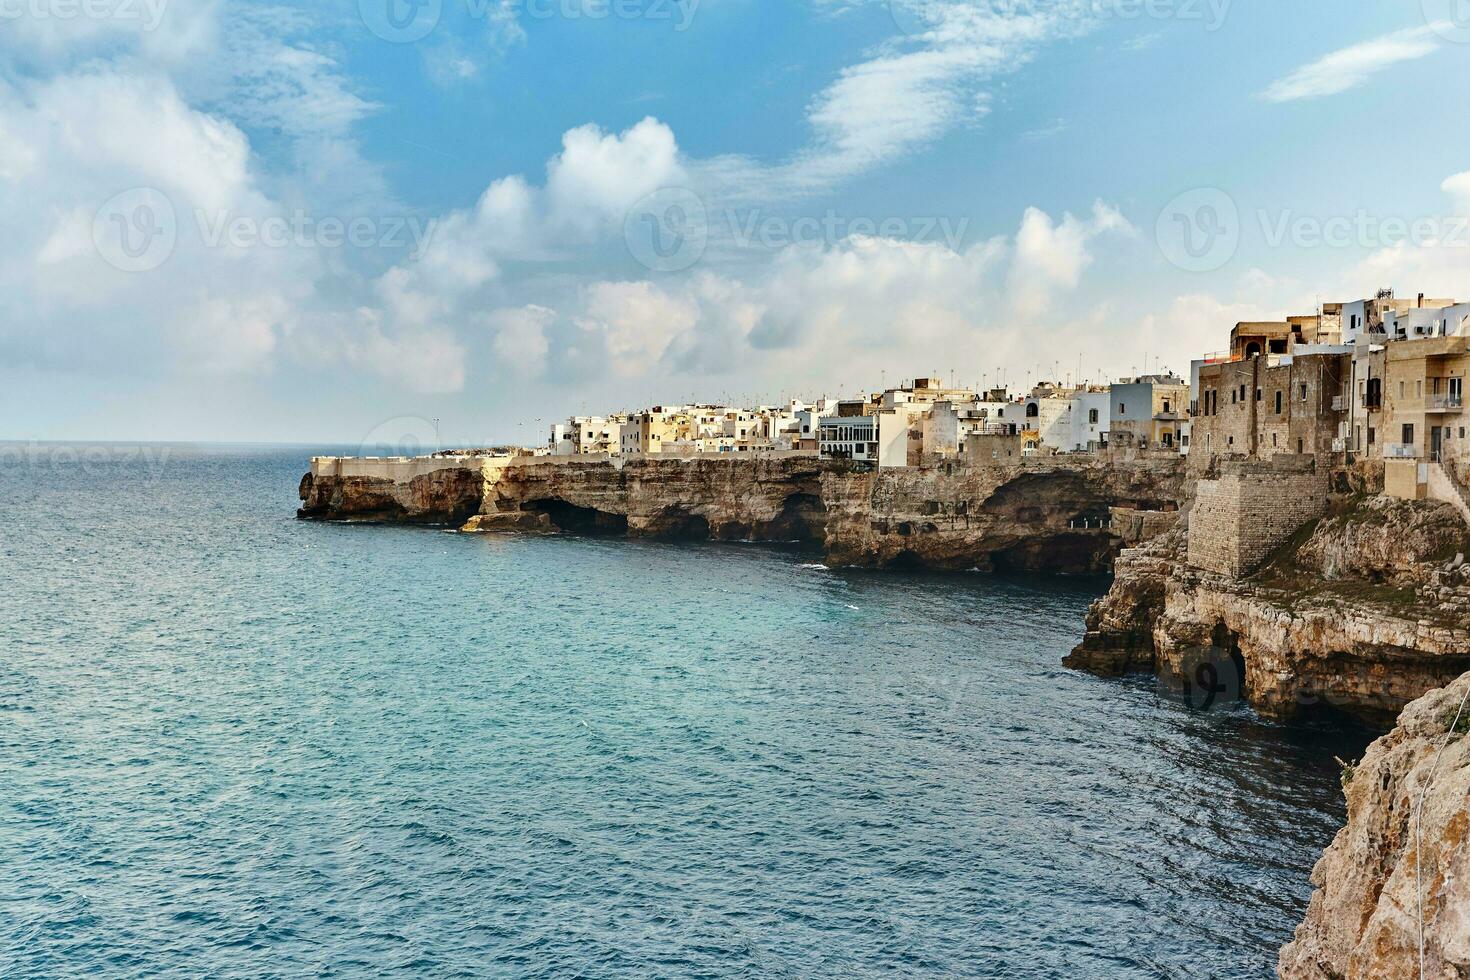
(1445, 403)
(1397, 450)
(1447, 469)
(1339, 403)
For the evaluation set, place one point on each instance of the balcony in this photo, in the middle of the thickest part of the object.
(1444, 403)
(1339, 404)
(1398, 450)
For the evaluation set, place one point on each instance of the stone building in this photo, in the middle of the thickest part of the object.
(1250, 509)
(1268, 405)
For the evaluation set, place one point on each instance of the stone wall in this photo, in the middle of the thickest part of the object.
(1260, 408)
(1252, 509)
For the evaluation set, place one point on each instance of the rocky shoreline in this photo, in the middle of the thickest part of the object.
(1400, 869)
(1058, 515)
(1357, 614)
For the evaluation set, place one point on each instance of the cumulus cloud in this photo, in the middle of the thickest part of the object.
(1051, 256)
(636, 322)
(1352, 66)
(854, 308)
(600, 175)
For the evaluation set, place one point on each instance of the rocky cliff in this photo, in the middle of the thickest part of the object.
(448, 496)
(1400, 869)
(1359, 614)
(1062, 515)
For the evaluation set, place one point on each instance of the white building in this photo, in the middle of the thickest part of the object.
(1049, 415)
(881, 439)
(1419, 323)
(587, 434)
(1091, 411)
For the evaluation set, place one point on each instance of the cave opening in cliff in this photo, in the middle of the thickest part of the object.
(1232, 660)
(803, 518)
(678, 524)
(578, 520)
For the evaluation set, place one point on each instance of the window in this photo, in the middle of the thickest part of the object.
(1166, 406)
(1401, 389)
(1122, 408)
(1259, 392)
(1273, 440)
(1304, 392)
(1408, 434)
(1242, 392)
(1299, 447)
(1278, 403)
(1092, 417)
(1372, 435)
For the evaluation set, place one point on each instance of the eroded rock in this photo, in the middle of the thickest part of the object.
(1402, 861)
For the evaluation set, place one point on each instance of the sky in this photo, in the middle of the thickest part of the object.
(340, 221)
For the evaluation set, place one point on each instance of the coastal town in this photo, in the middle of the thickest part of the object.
(1288, 527)
(1381, 378)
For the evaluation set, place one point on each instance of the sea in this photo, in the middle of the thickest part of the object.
(235, 744)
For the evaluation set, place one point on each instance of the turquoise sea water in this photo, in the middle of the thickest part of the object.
(235, 744)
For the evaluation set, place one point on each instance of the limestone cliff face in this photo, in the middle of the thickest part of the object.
(1385, 540)
(732, 500)
(1352, 655)
(1360, 616)
(1034, 515)
(448, 496)
(1120, 625)
(1041, 515)
(1404, 849)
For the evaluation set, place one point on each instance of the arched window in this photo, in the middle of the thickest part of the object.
(1033, 410)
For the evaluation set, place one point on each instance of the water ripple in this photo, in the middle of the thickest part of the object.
(233, 744)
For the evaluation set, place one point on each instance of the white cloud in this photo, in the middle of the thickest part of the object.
(1056, 128)
(520, 341)
(599, 176)
(906, 94)
(1352, 66)
(1436, 265)
(636, 321)
(1051, 256)
(1458, 188)
(849, 310)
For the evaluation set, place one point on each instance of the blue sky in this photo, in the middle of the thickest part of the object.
(569, 205)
